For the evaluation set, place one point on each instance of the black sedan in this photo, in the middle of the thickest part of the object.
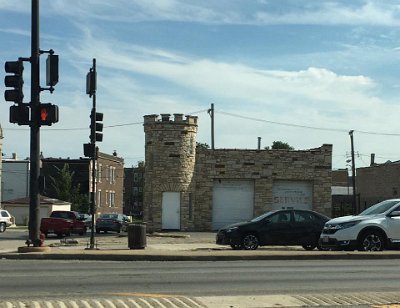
(111, 222)
(280, 227)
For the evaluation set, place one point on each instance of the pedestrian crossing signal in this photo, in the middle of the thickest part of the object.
(48, 114)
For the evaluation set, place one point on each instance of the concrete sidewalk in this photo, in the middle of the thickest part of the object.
(175, 247)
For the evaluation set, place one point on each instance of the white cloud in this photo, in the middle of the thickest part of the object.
(333, 13)
(369, 12)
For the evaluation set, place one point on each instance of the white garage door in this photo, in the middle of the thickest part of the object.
(233, 201)
(292, 195)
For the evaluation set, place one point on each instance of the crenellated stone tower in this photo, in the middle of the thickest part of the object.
(170, 156)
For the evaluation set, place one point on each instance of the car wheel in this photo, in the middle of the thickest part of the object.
(236, 246)
(319, 247)
(309, 246)
(250, 242)
(372, 241)
(3, 227)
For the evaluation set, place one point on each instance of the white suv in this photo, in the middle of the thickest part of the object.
(5, 220)
(376, 228)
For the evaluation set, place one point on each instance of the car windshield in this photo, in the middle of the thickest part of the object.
(261, 217)
(379, 208)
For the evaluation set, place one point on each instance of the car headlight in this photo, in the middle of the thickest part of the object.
(232, 229)
(346, 225)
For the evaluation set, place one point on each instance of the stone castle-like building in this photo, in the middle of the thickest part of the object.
(198, 189)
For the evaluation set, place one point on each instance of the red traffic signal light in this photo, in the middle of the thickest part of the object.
(48, 114)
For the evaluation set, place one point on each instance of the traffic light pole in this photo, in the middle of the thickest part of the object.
(34, 205)
(94, 159)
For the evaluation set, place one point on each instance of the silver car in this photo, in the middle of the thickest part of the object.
(5, 220)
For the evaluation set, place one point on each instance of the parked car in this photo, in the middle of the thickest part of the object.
(5, 220)
(87, 219)
(112, 222)
(280, 227)
(62, 223)
(376, 228)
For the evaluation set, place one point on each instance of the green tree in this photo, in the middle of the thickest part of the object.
(276, 145)
(201, 145)
(64, 189)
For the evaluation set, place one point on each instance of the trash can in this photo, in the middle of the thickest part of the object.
(137, 236)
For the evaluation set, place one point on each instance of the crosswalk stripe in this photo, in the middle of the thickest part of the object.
(134, 303)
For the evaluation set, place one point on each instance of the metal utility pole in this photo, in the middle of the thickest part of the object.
(34, 205)
(353, 173)
(94, 158)
(90, 149)
(211, 113)
(40, 114)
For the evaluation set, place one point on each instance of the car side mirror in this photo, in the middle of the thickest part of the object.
(394, 214)
(267, 221)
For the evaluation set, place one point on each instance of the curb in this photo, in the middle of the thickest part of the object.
(112, 255)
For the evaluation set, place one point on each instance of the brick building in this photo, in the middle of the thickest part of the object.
(133, 191)
(377, 183)
(109, 179)
(189, 188)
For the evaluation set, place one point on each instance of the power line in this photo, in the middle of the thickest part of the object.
(307, 127)
(232, 115)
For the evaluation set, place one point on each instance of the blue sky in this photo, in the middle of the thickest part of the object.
(302, 72)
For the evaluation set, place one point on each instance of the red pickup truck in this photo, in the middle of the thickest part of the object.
(62, 223)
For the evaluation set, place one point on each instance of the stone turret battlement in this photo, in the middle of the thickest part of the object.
(166, 118)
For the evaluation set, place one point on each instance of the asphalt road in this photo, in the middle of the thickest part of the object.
(49, 279)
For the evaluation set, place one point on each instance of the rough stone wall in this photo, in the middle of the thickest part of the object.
(174, 165)
(262, 166)
(377, 183)
(170, 149)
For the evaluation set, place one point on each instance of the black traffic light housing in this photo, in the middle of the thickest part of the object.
(91, 82)
(14, 81)
(48, 114)
(19, 114)
(96, 128)
(52, 70)
(89, 150)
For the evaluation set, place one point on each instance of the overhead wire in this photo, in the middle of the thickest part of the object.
(232, 115)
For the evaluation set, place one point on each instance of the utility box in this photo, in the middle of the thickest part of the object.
(137, 236)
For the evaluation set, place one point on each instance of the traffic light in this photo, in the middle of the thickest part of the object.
(48, 114)
(89, 150)
(14, 81)
(96, 128)
(52, 70)
(91, 82)
(19, 114)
